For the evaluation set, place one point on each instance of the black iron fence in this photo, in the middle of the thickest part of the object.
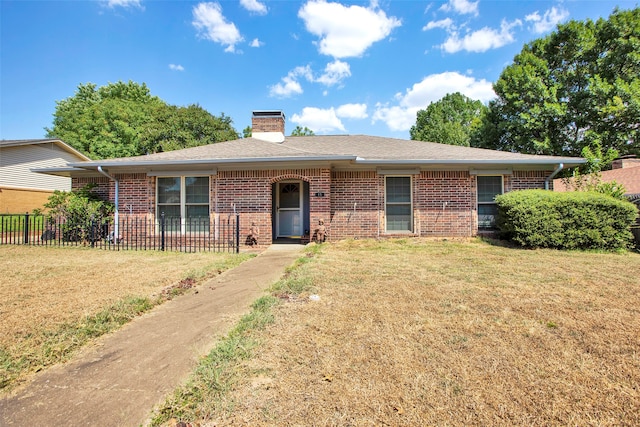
(128, 233)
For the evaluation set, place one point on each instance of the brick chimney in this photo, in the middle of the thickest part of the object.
(268, 125)
(629, 161)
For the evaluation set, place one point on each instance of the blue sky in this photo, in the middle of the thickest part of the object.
(335, 67)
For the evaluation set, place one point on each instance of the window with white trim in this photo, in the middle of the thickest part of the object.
(488, 188)
(184, 200)
(398, 206)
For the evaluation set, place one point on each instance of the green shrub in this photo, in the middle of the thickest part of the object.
(572, 220)
(86, 216)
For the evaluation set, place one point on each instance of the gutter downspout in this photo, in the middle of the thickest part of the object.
(550, 177)
(116, 216)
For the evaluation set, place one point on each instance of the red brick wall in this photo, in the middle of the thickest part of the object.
(445, 203)
(526, 180)
(136, 191)
(320, 200)
(102, 185)
(251, 193)
(137, 194)
(267, 124)
(350, 202)
(356, 200)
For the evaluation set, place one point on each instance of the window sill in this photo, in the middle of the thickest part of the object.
(399, 233)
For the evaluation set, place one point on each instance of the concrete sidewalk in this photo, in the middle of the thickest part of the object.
(119, 380)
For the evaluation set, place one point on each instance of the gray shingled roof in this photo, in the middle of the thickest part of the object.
(249, 148)
(356, 148)
(379, 148)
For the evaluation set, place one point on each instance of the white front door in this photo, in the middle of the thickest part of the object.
(289, 209)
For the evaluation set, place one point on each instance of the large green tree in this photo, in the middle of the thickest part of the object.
(124, 119)
(302, 131)
(451, 120)
(574, 88)
(174, 128)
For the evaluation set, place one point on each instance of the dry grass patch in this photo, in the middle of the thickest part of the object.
(416, 332)
(48, 294)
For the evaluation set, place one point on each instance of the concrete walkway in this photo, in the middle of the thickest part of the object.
(119, 380)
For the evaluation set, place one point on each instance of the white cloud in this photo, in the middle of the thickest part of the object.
(254, 6)
(288, 87)
(481, 40)
(324, 120)
(176, 67)
(212, 25)
(124, 3)
(319, 120)
(547, 22)
(256, 43)
(352, 111)
(289, 84)
(346, 31)
(446, 23)
(334, 73)
(463, 7)
(402, 116)
(395, 117)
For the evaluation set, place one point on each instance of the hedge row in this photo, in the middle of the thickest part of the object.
(571, 220)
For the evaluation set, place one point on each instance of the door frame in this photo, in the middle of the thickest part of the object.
(276, 207)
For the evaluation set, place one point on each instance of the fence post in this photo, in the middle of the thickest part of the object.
(237, 233)
(162, 231)
(26, 228)
(92, 232)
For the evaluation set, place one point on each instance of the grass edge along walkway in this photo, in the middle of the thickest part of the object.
(215, 374)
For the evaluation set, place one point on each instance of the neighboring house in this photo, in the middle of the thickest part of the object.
(22, 190)
(360, 186)
(625, 171)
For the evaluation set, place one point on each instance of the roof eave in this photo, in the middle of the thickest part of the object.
(89, 167)
(66, 172)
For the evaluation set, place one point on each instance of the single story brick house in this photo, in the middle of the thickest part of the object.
(360, 186)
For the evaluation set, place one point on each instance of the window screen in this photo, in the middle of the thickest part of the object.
(398, 203)
(488, 188)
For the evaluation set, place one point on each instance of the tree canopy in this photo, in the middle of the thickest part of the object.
(124, 119)
(451, 120)
(576, 87)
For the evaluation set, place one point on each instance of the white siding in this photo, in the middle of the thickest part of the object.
(16, 164)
